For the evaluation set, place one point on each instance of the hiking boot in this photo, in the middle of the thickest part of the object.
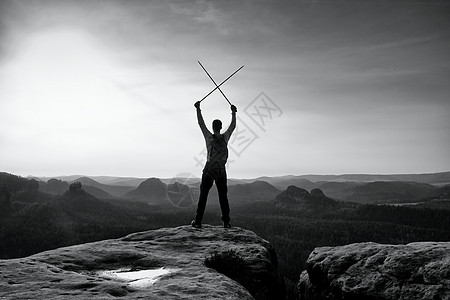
(195, 224)
(226, 225)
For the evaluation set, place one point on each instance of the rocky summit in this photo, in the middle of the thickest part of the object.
(297, 198)
(373, 271)
(167, 263)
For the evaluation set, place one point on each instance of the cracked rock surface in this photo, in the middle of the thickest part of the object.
(73, 272)
(375, 271)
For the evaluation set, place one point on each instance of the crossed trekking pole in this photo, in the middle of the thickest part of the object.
(218, 85)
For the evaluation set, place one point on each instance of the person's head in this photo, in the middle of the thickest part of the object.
(217, 125)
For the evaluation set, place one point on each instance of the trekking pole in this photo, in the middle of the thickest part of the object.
(214, 82)
(218, 86)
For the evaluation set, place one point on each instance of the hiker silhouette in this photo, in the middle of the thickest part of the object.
(214, 170)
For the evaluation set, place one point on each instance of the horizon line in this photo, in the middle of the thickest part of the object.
(237, 178)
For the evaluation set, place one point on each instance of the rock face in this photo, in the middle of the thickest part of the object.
(374, 271)
(75, 272)
(298, 198)
(58, 187)
(55, 186)
(75, 188)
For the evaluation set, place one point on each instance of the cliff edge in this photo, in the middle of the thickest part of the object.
(167, 263)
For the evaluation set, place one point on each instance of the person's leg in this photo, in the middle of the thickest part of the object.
(221, 183)
(205, 186)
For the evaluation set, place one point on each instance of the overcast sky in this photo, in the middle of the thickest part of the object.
(108, 87)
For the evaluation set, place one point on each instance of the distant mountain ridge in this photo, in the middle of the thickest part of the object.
(246, 193)
(347, 187)
(378, 191)
(59, 187)
(280, 182)
(114, 190)
(152, 191)
(389, 192)
(440, 178)
(442, 193)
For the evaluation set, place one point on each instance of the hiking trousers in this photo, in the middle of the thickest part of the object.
(219, 175)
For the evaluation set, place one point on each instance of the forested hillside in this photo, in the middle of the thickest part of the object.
(32, 221)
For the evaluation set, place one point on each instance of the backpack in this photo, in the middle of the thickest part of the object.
(217, 150)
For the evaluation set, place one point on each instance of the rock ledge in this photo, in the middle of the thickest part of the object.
(374, 271)
(72, 272)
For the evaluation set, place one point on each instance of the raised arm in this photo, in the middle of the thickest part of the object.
(232, 126)
(200, 120)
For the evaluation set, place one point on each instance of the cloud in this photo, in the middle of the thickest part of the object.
(335, 69)
(343, 51)
(203, 12)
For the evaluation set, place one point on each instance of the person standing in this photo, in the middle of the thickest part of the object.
(214, 170)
